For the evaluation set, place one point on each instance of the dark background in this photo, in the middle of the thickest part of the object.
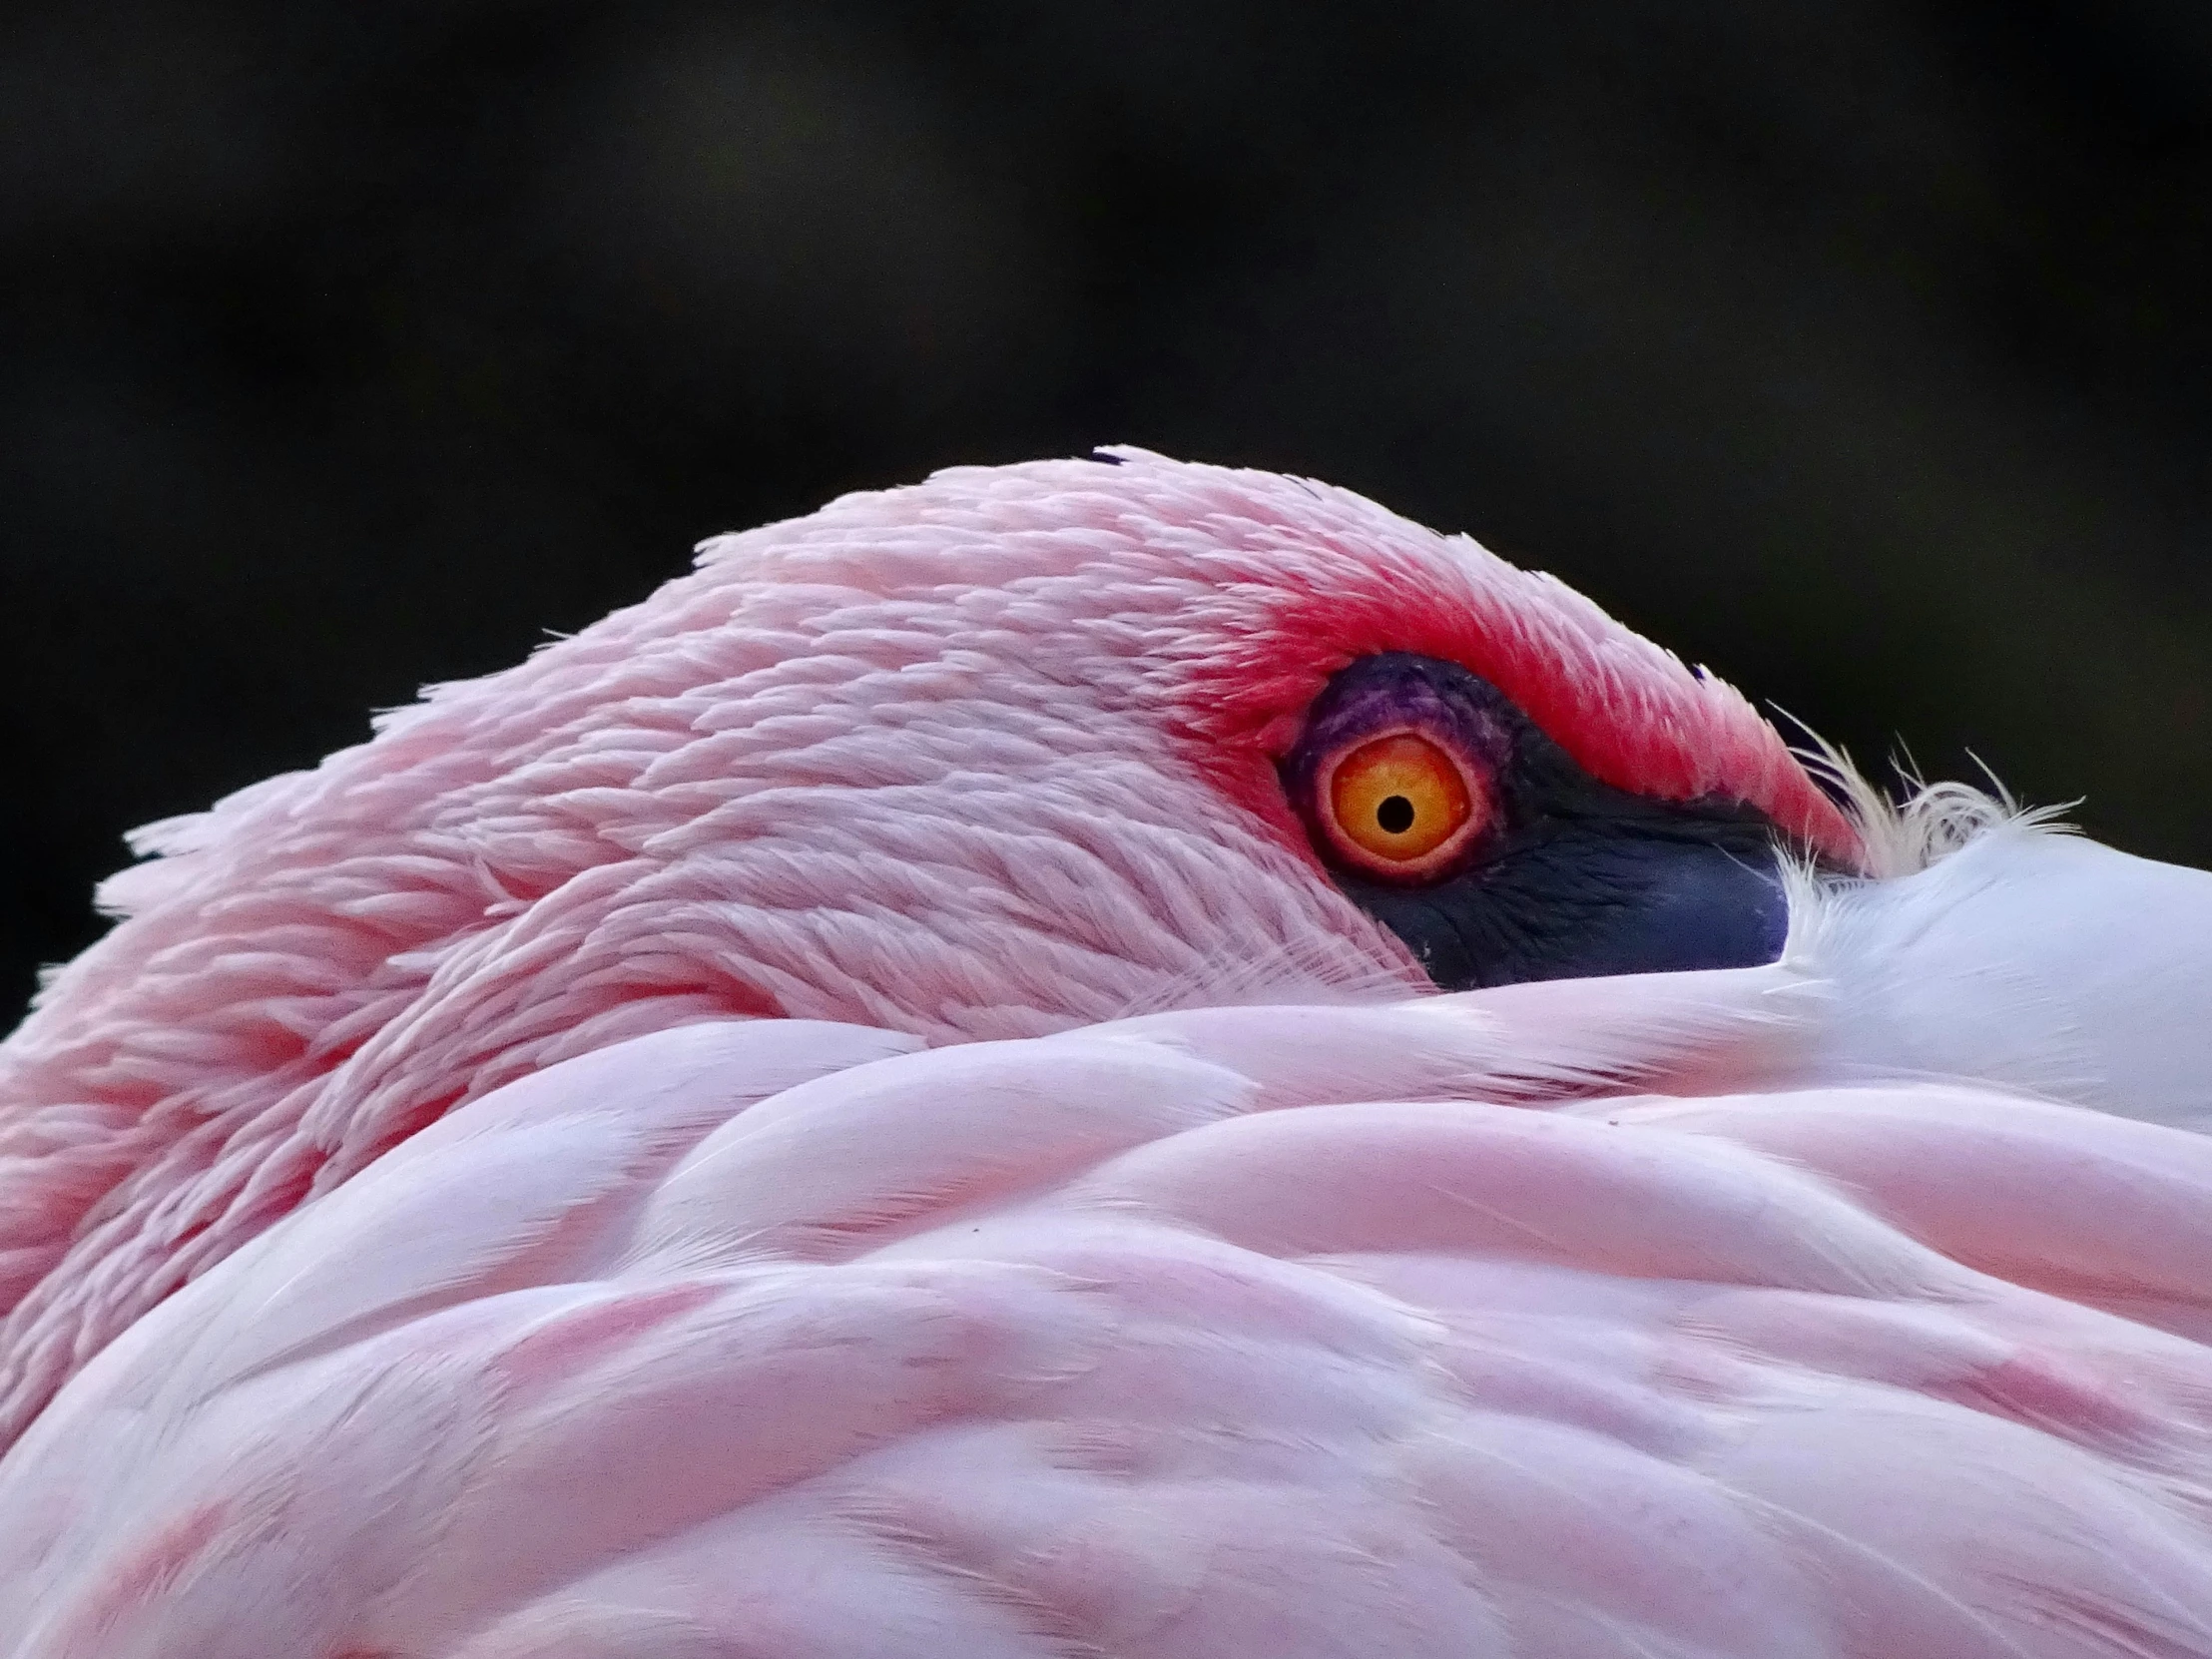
(1858, 350)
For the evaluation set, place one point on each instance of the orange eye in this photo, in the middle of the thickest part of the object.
(1401, 804)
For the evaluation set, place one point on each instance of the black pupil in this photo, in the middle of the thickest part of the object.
(1395, 815)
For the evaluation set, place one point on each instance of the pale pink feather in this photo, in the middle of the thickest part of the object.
(1134, 1340)
(415, 1245)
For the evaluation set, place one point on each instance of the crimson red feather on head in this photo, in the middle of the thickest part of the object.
(1630, 714)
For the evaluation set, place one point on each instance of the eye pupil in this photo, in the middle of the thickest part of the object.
(1395, 815)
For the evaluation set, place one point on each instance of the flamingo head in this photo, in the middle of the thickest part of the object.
(1014, 749)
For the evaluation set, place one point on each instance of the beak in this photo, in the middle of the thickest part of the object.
(2030, 959)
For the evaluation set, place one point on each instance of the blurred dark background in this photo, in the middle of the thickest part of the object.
(1861, 351)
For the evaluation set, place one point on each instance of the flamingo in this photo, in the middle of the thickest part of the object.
(1110, 1057)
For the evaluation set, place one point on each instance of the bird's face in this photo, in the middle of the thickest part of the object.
(1034, 746)
(1445, 814)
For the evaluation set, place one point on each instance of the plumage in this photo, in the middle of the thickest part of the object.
(833, 1115)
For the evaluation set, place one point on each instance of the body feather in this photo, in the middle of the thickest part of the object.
(1431, 1327)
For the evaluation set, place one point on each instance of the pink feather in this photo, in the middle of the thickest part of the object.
(1136, 1339)
(834, 1114)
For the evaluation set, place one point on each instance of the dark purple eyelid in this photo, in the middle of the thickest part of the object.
(1390, 693)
